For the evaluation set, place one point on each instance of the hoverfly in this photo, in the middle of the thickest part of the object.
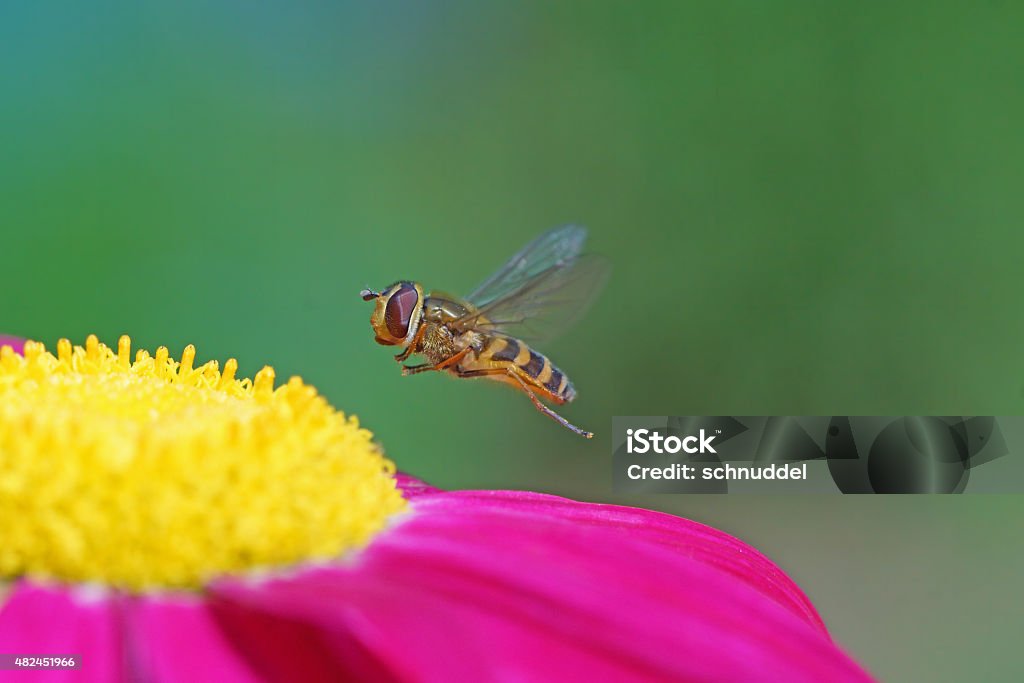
(540, 291)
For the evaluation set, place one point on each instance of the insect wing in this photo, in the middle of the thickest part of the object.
(541, 291)
(555, 248)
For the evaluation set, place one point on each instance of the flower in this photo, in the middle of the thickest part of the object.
(167, 523)
(15, 343)
(156, 474)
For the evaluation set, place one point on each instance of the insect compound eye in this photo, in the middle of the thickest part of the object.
(399, 310)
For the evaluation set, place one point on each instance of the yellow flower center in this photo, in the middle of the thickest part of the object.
(153, 473)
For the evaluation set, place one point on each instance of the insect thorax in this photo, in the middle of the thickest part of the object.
(444, 309)
(438, 343)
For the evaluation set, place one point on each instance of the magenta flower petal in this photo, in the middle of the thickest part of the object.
(536, 587)
(412, 487)
(284, 648)
(16, 343)
(698, 540)
(175, 638)
(36, 620)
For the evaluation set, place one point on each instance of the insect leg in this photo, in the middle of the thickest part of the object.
(416, 369)
(544, 409)
(513, 372)
(447, 362)
(411, 348)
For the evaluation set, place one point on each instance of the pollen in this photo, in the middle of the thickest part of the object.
(152, 473)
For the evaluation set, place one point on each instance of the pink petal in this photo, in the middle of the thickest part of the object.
(412, 487)
(37, 620)
(16, 343)
(175, 638)
(284, 648)
(474, 586)
(701, 542)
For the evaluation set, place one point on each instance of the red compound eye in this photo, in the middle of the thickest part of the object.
(399, 310)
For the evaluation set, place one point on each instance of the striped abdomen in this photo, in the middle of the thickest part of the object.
(536, 367)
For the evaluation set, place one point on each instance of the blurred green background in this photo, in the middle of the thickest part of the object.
(811, 208)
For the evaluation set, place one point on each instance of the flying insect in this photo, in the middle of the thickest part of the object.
(538, 293)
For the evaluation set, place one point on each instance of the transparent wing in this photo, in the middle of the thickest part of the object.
(541, 291)
(554, 248)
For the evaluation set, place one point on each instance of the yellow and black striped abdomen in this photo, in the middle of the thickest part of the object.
(536, 368)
